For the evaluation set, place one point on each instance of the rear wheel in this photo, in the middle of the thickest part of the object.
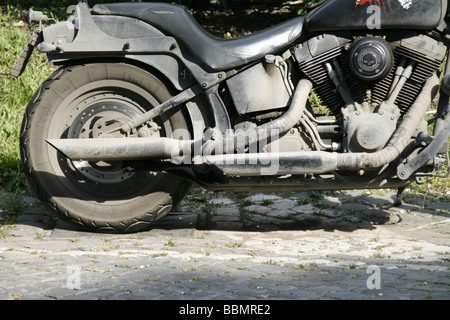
(87, 101)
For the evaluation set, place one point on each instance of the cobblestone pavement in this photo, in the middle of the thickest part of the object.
(350, 245)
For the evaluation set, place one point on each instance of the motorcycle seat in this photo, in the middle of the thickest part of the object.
(214, 53)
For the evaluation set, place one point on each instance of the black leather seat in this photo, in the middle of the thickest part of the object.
(214, 53)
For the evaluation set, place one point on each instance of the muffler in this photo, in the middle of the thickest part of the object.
(253, 164)
(279, 163)
(313, 162)
(115, 149)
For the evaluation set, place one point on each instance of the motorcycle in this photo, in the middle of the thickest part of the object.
(146, 103)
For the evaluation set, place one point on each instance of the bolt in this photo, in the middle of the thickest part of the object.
(126, 46)
(403, 172)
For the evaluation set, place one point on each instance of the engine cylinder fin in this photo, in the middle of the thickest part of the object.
(426, 65)
(425, 68)
(408, 95)
(314, 68)
(422, 49)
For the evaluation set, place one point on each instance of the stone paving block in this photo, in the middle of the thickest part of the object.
(259, 197)
(352, 207)
(331, 201)
(377, 200)
(256, 221)
(231, 210)
(231, 225)
(221, 201)
(283, 204)
(330, 213)
(281, 214)
(439, 205)
(307, 208)
(255, 208)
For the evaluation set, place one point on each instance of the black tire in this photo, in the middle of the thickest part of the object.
(99, 197)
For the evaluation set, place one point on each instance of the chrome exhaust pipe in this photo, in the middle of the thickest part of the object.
(253, 164)
(314, 162)
(280, 163)
(115, 149)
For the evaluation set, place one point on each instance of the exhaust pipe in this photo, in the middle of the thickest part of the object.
(263, 132)
(115, 149)
(255, 164)
(283, 163)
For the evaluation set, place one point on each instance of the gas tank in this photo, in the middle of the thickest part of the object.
(335, 15)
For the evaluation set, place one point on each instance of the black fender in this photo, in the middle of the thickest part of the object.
(96, 37)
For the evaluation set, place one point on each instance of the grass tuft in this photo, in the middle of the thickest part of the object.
(15, 95)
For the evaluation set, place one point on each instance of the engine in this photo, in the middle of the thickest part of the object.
(368, 83)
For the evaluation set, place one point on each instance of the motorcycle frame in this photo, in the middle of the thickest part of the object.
(166, 56)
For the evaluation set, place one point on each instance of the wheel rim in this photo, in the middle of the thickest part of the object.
(94, 122)
(90, 113)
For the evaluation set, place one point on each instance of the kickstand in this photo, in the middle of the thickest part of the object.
(398, 201)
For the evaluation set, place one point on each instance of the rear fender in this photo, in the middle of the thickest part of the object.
(96, 37)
